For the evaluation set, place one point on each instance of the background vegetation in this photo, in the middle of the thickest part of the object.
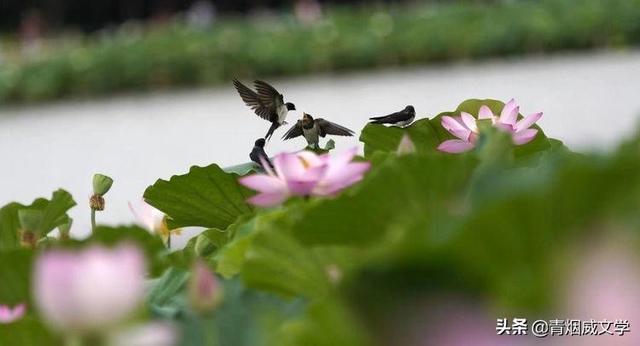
(134, 58)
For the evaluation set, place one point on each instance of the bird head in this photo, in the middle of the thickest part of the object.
(260, 142)
(410, 109)
(307, 119)
(290, 106)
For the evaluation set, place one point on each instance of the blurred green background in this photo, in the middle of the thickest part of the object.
(204, 46)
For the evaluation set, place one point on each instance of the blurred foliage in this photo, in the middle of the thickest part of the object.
(496, 225)
(52, 213)
(133, 58)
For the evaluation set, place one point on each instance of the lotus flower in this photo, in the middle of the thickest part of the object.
(466, 129)
(605, 284)
(9, 315)
(153, 220)
(508, 121)
(88, 290)
(305, 174)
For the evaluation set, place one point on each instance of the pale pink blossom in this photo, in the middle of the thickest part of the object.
(205, 292)
(508, 121)
(463, 127)
(305, 174)
(10, 315)
(406, 146)
(466, 130)
(152, 219)
(605, 285)
(90, 289)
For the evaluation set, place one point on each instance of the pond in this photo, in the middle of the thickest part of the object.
(589, 101)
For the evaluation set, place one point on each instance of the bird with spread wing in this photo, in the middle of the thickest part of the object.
(312, 129)
(266, 102)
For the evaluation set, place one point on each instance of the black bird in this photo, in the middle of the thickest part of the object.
(266, 102)
(258, 152)
(403, 118)
(312, 129)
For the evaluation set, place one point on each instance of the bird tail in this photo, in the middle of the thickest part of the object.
(377, 120)
(272, 129)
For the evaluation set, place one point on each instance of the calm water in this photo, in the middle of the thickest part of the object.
(589, 101)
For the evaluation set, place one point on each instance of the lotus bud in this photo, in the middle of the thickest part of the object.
(30, 223)
(205, 293)
(406, 146)
(65, 229)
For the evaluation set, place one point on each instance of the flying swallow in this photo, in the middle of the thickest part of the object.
(402, 118)
(266, 102)
(258, 154)
(312, 129)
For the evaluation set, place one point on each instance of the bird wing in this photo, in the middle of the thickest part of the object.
(294, 131)
(252, 100)
(328, 128)
(268, 95)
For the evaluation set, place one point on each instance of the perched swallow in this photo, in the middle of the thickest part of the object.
(266, 102)
(312, 129)
(258, 152)
(403, 118)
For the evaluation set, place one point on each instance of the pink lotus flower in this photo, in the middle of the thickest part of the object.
(88, 290)
(508, 121)
(305, 174)
(9, 315)
(604, 283)
(153, 220)
(466, 129)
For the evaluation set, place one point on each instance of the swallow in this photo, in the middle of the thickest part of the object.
(402, 118)
(266, 102)
(258, 153)
(312, 129)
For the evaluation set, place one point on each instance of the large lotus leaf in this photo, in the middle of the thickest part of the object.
(27, 331)
(15, 275)
(427, 134)
(277, 262)
(243, 169)
(386, 139)
(206, 196)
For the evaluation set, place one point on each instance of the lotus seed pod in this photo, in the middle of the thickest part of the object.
(101, 184)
